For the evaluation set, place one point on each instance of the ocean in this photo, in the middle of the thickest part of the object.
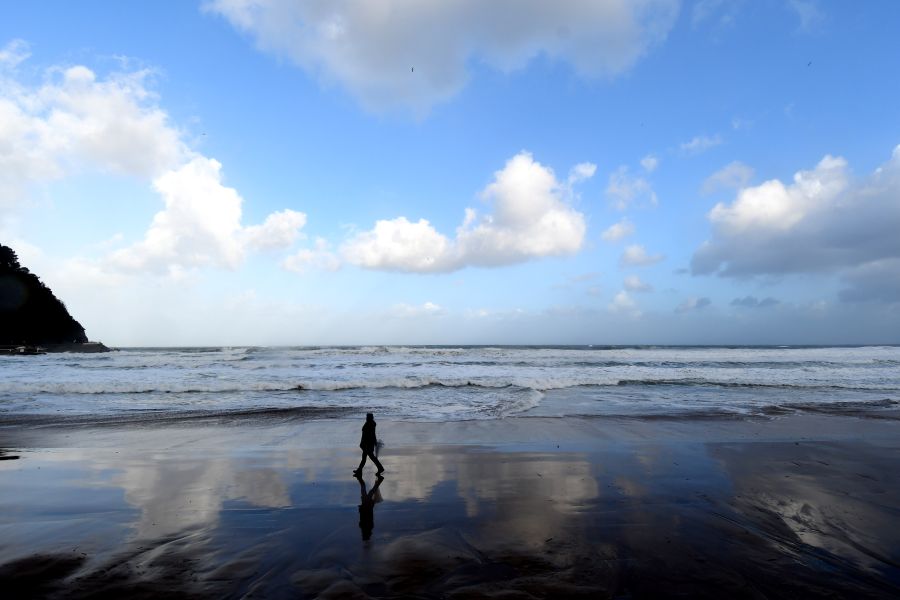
(437, 383)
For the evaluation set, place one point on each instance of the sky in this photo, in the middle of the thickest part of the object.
(251, 172)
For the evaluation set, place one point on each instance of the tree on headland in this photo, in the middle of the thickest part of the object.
(29, 312)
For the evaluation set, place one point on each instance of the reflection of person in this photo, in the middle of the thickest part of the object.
(368, 443)
(368, 500)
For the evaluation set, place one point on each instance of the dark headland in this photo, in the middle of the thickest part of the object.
(32, 318)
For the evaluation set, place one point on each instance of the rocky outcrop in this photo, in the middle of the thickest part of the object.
(30, 315)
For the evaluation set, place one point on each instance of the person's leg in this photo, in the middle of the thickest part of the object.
(362, 463)
(377, 463)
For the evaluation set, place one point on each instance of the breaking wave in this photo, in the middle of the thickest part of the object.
(538, 384)
(453, 383)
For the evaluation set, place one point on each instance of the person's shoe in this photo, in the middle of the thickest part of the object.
(357, 472)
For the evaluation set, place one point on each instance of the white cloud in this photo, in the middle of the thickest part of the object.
(279, 230)
(618, 231)
(649, 163)
(821, 222)
(699, 144)
(319, 257)
(78, 122)
(693, 303)
(532, 218)
(201, 225)
(772, 205)
(623, 303)
(14, 53)
(775, 208)
(633, 283)
(401, 245)
(427, 309)
(636, 255)
(75, 121)
(581, 172)
(413, 54)
(733, 175)
(626, 190)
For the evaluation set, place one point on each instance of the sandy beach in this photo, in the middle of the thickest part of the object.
(795, 506)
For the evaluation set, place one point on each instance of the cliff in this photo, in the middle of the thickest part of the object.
(29, 312)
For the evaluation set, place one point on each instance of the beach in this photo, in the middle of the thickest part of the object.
(801, 505)
(449, 300)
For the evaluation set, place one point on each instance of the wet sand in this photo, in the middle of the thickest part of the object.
(791, 507)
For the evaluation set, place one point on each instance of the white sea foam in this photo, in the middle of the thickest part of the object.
(450, 382)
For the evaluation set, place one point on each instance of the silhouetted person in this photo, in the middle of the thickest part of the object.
(368, 500)
(368, 443)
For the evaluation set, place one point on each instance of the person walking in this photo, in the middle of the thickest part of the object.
(367, 444)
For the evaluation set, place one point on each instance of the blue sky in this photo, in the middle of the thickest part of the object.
(274, 172)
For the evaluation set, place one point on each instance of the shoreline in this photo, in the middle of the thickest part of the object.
(314, 429)
(802, 505)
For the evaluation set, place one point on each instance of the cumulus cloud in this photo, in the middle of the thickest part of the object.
(754, 302)
(734, 175)
(633, 283)
(319, 257)
(76, 121)
(821, 222)
(693, 303)
(624, 304)
(625, 190)
(412, 54)
(279, 230)
(636, 255)
(700, 144)
(201, 224)
(618, 231)
(401, 245)
(532, 218)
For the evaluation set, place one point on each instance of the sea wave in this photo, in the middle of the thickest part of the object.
(688, 381)
(455, 383)
(157, 417)
(878, 409)
(211, 384)
(881, 409)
